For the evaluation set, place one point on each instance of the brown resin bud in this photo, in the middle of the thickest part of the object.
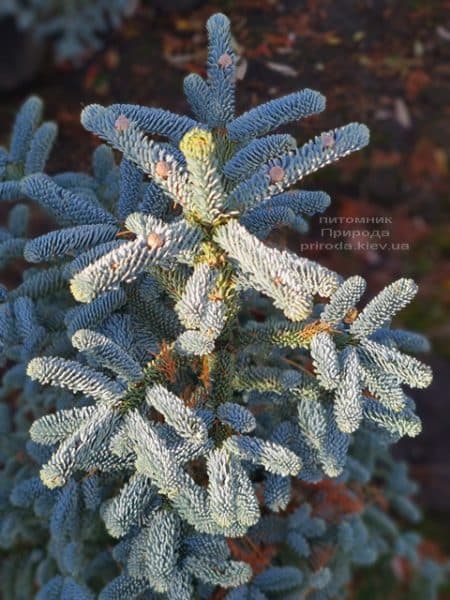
(351, 315)
(277, 280)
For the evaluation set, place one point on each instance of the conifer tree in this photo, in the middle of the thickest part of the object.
(205, 415)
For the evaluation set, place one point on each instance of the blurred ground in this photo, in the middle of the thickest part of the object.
(382, 62)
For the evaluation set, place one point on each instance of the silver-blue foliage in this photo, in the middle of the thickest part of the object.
(76, 27)
(185, 391)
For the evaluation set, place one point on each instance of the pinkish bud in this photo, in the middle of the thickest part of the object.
(154, 241)
(162, 169)
(225, 61)
(328, 140)
(122, 123)
(276, 174)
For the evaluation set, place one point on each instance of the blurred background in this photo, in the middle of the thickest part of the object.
(385, 63)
